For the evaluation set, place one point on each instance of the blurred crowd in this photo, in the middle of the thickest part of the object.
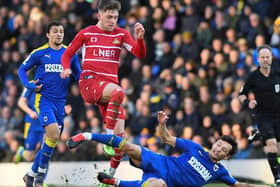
(199, 54)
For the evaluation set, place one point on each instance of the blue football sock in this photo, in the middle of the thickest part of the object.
(46, 153)
(35, 164)
(130, 183)
(107, 139)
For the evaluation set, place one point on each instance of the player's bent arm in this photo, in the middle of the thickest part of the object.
(239, 184)
(22, 104)
(165, 136)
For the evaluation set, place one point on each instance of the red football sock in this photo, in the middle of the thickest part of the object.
(78, 137)
(115, 160)
(113, 108)
(111, 181)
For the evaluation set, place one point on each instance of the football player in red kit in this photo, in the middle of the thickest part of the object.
(101, 47)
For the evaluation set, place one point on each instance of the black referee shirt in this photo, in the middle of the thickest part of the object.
(265, 89)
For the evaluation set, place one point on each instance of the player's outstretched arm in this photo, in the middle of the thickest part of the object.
(163, 131)
(239, 184)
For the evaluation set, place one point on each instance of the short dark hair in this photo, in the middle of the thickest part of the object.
(265, 46)
(104, 5)
(232, 142)
(53, 23)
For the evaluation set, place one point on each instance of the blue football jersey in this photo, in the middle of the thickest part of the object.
(194, 167)
(34, 123)
(48, 69)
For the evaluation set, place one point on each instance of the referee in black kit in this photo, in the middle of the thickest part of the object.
(264, 83)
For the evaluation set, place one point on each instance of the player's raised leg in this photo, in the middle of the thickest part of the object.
(132, 150)
(113, 116)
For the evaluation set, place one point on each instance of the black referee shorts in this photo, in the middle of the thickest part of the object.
(269, 126)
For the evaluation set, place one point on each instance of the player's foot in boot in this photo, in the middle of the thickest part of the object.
(255, 135)
(39, 180)
(277, 181)
(110, 172)
(18, 156)
(28, 180)
(105, 179)
(74, 141)
(108, 150)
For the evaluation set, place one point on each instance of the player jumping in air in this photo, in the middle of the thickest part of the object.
(101, 46)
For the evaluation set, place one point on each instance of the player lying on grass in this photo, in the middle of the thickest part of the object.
(195, 167)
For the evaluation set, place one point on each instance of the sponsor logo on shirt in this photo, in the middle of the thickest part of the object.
(198, 167)
(53, 68)
(104, 52)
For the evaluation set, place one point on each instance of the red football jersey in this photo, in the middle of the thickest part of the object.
(101, 50)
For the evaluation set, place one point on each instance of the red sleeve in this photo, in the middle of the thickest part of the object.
(137, 48)
(74, 46)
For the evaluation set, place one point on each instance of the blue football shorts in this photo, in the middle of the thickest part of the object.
(50, 111)
(153, 165)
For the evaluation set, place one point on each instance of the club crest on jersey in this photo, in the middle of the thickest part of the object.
(116, 41)
(45, 118)
(277, 88)
(216, 167)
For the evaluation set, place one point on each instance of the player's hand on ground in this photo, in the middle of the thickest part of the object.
(33, 115)
(139, 30)
(162, 117)
(66, 73)
(252, 104)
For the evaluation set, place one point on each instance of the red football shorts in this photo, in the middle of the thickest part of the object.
(91, 88)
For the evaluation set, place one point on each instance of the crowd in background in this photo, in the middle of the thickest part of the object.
(199, 53)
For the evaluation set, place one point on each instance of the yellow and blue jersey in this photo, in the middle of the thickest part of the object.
(33, 130)
(48, 68)
(193, 168)
(31, 124)
(50, 101)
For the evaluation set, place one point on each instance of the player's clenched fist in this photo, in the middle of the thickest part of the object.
(139, 30)
(65, 73)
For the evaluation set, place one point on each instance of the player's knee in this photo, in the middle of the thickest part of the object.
(117, 95)
(52, 132)
(154, 182)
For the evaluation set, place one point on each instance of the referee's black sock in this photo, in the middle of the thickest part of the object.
(274, 166)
